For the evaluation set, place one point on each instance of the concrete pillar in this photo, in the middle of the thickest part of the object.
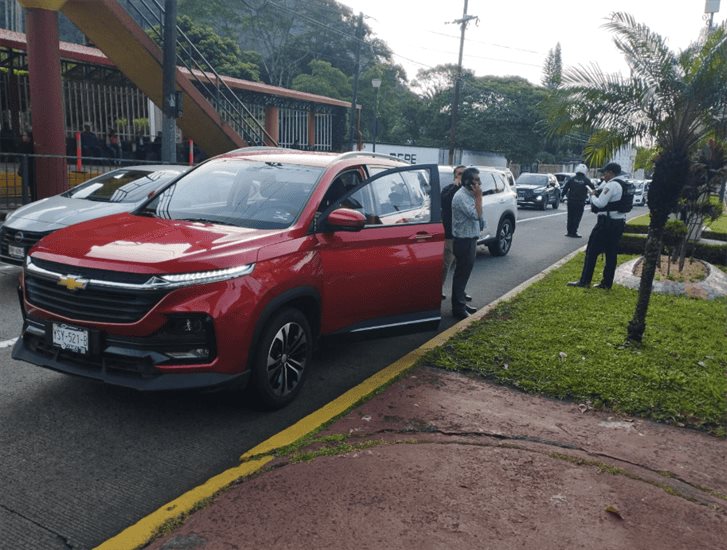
(272, 117)
(46, 101)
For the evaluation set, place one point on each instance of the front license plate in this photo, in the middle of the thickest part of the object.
(70, 338)
(16, 251)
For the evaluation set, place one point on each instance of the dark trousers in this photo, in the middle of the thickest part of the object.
(603, 240)
(465, 251)
(575, 213)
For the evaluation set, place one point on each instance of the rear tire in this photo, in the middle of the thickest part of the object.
(281, 358)
(503, 241)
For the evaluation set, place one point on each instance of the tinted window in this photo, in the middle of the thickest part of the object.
(121, 185)
(239, 192)
(533, 179)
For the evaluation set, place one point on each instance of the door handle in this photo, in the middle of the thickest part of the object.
(421, 236)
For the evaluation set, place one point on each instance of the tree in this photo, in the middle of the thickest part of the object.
(676, 99)
(498, 114)
(324, 79)
(553, 69)
(223, 54)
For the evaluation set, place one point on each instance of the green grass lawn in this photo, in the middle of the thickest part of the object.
(568, 343)
(719, 225)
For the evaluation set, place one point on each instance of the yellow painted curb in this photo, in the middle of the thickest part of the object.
(142, 531)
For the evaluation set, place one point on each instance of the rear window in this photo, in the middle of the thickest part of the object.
(533, 179)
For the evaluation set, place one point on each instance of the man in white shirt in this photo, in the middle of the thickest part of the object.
(467, 222)
(607, 232)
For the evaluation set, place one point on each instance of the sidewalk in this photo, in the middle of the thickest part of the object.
(445, 460)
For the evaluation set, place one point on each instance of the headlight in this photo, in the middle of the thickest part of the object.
(199, 277)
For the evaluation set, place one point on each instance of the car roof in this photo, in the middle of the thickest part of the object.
(306, 158)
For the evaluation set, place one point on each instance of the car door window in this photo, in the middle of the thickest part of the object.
(487, 184)
(393, 196)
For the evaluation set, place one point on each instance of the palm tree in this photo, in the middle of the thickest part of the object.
(674, 100)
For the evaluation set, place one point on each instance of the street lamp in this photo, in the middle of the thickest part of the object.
(376, 83)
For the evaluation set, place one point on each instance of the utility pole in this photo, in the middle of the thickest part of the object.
(458, 81)
(356, 75)
(170, 107)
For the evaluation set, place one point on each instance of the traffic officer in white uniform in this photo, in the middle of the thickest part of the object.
(607, 232)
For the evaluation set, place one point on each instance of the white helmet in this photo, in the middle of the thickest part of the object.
(582, 169)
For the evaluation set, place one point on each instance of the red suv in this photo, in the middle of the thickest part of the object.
(232, 271)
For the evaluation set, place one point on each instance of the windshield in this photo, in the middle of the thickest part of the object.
(123, 185)
(241, 192)
(532, 179)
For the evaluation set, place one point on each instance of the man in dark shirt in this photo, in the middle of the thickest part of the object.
(577, 189)
(447, 194)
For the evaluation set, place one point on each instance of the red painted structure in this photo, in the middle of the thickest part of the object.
(44, 65)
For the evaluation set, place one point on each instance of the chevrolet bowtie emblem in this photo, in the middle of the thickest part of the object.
(71, 282)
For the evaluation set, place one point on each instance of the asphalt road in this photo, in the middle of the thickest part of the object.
(80, 461)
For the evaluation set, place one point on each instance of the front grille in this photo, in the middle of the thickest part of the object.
(90, 304)
(25, 239)
(88, 273)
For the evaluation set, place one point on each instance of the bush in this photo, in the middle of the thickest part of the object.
(633, 243)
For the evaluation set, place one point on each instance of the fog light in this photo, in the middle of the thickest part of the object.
(192, 354)
(185, 324)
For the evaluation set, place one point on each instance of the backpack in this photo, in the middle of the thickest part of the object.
(625, 203)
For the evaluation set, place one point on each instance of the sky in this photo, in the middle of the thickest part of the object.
(513, 37)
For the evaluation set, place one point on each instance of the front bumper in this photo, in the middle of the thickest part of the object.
(114, 361)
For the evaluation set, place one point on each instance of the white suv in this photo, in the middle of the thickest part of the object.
(499, 207)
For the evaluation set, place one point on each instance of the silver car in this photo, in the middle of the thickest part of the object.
(120, 190)
(499, 206)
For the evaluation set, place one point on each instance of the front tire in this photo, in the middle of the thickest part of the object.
(556, 204)
(503, 242)
(282, 355)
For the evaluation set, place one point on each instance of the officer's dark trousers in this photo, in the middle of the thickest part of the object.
(465, 251)
(575, 213)
(603, 240)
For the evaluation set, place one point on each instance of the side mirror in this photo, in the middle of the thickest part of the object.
(345, 219)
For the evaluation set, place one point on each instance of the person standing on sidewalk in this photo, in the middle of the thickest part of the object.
(577, 189)
(447, 196)
(467, 222)
(607, 232)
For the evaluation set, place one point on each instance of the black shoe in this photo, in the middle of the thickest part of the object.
(460, 315)
(578, 283)
(569, 235)
(602, 286)
(470, 309)
(577, 236)
(468, 298)
(444, 296)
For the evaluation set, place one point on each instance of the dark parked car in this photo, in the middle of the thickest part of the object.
(538, 190)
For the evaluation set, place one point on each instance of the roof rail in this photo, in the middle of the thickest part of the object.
(354, 154)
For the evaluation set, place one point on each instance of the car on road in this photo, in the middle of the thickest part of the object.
(538, 190)
(499, 207)
(229, 274)
(639, 192)
(120, 190)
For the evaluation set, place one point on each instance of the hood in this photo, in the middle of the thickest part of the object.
(141, 244)
(58, 212)
(531, 186)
